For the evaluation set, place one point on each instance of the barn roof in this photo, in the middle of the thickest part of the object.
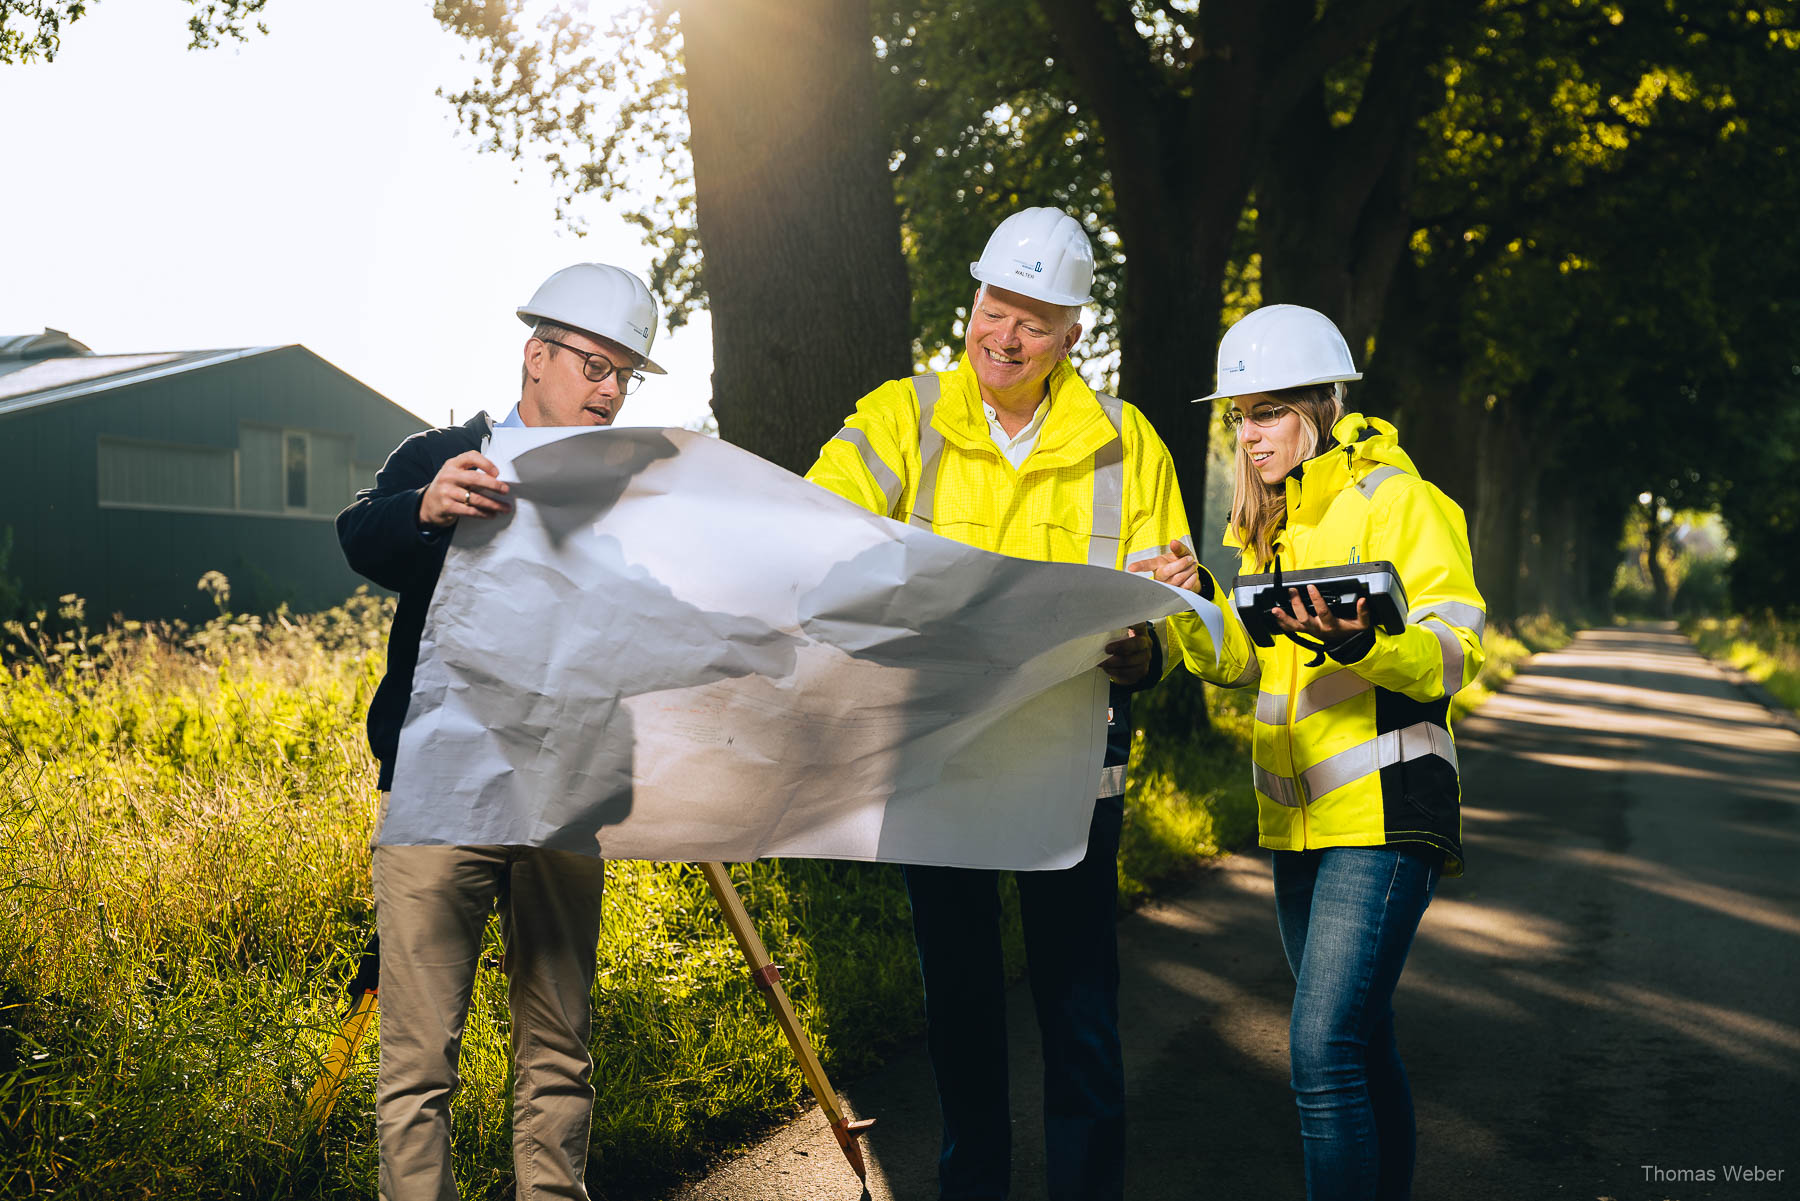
(29, 377)
(20, 348)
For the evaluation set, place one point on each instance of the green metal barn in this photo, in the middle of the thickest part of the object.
(132, 475)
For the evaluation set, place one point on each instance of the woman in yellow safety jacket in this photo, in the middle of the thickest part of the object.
(1354, 765)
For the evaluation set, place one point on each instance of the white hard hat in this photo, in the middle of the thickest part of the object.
(608, 302)
(1281, 346)
(1042, 253)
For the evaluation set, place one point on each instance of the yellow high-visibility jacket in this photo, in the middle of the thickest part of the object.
(1099, 486)
(1045, 509)
(1359, 753)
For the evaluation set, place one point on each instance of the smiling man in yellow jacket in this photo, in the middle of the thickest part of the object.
(1011, 452)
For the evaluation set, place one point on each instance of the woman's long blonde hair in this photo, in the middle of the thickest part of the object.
(1258, 509)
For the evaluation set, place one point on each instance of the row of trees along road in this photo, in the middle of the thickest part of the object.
(1561, 232)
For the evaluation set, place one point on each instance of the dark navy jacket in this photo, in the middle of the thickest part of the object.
(382, 540)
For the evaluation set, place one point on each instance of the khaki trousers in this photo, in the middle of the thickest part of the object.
(431, 906)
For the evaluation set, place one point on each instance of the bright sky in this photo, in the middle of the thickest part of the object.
(308, 186)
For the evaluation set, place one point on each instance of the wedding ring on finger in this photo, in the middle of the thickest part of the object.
(465, 496)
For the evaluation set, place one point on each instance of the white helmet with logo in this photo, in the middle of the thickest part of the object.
(1281, 346)
(608, 302)
(1042, 253)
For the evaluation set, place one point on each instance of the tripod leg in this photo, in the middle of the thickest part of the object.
(766, 975)
(341, 1055)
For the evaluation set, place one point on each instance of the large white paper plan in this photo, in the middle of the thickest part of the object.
(675, 650)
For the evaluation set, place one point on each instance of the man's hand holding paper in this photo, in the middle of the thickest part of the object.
(1128, 659)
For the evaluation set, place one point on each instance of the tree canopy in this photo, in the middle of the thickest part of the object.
(1560, 231)
(1529, 209)
(1574, 300)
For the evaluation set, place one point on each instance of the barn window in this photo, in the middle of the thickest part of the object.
(294, 459)
(162, 475)
(294, 472)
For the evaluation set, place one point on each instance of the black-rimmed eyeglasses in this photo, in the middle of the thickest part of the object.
(596, 367)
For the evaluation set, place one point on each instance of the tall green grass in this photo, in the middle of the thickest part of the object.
(184, 818)
(1765, 648)
(184, 826)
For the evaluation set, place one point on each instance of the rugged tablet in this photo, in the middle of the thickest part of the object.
(1254, 595)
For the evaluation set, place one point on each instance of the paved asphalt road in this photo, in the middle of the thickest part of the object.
(1604, 1007)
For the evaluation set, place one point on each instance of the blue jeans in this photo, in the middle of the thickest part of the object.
(1072, 958)
(1348, 915)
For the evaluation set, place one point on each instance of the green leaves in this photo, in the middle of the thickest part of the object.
(31, 30)
(600, 106)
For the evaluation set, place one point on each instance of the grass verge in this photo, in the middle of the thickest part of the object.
(1766, 648)
(184, 825)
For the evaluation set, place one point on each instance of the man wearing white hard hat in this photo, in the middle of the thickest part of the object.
(1011, 451)
(591, 330)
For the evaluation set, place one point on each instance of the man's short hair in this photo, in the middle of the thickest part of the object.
(543, 331)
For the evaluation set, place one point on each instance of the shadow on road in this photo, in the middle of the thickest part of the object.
(1609, 993)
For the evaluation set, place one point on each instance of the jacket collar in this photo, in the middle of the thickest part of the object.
(1361, 445)
(1074, 428)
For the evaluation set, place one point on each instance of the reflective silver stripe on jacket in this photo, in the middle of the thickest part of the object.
(1469, 617)
(931, 450)
(884, 477)
(1453, 656)
(1321, 694)
(1109, 489)
(1112, 781)
(1251, 674)
(1384, 750)
(1364, 759)
(1329, 690)
(1375, 479)
(1279, 789)
(1155, 549)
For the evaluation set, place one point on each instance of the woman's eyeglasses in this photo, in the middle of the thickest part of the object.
(1262, 417)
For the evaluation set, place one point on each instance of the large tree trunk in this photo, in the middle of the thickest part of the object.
(1181, 169)
(1603, 521)
(1334, 203)
(1166, 362)
(1164, 367)
(1551, 538)
(1535, 556)
(1507, 491)
(804, 274)
(1415, 380)
(1656, 536)
(1182, 156)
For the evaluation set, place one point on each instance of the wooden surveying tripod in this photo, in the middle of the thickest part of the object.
(766, 975)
